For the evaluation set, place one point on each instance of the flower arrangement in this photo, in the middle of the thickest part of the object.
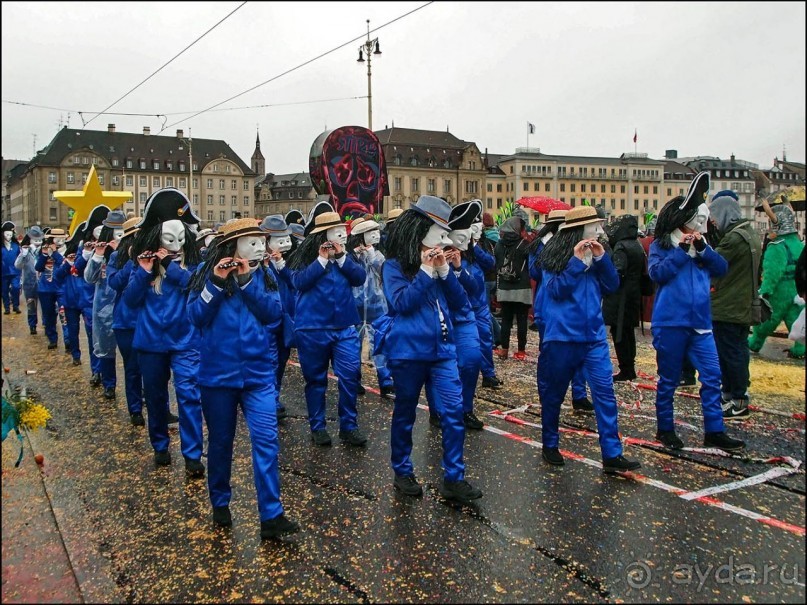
(20, 411)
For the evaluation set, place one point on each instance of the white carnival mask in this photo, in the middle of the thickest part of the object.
(698, 222)
(59, 241)
(593, 230)
(7, 235)
(172, 237)
(97, 231)
(460, 238)
(476, 231)
(437, 237)
(371, 238)
(547, 237)
(36, 243)
(251, 248)
(117, 234)
(280, 243)
(337, 234)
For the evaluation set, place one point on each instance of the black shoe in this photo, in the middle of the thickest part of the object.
(735, 409)
(172, 418)
(194, 468)
(533, 327)
(552, 455)
(461, 491)
(354, 437)
(491, 382)
(109, 392)
(281, 412)
(52, 345)
(472, 422)
(687, 381)
(67, 347)
(6, 312)
(669, 439)
(95, 380)
(33, 331)
(17, 311)
(388, 392)
(434, 420)
(321, 437)
(722, 441)
(162, 458)
(582, 405)
(137, 419)
(222, 516)
(624, 376)
(360, 390)
(279, 526)
(620, 464)
(407, 485)
(76, 362)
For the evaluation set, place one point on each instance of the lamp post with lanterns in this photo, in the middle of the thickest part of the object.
(370, 47)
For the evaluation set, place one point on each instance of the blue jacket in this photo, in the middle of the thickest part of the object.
(26, 264)
(472, 287)
(324, 295)
(103, 303)
(50, 280)
(483, 263)
(9, 256)
(572, 302)
(286, 288)
(234, 339)
(76, 292)
(123, 316)
(415, 332)
(162, 319)
(682, 297)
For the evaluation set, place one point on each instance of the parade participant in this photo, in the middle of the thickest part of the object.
(466, 333)
(103, 335)
(779, 279)
(622, 309)
(165, 341)
(576, 273)
(555, 218)
(58, 237)
(392, 215)
(365, 234)
(234, 303)
(11, 275)
(482, 264)
(488, 241)
(319, 208)
(77, 297)
(297, 231)
(682, 264)
(421, 292)
(324, 318)
(279, 246)
(732, 295)
(26, 264)
(49, 266)
(513, 289)
(204, 237)
(294, 216)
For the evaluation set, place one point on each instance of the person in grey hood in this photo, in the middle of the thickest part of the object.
(731, 297)
(514, 291)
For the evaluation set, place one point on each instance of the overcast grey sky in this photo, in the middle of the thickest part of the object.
(702, 78)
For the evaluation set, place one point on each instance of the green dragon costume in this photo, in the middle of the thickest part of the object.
(779, 281)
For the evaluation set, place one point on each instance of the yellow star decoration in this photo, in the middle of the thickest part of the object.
(83, 202)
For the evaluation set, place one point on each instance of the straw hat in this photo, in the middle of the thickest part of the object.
(326, 220)
(582, 215)
(130, 226)
(555, 216)
(363, 225)
(393, 214)
(240, 227)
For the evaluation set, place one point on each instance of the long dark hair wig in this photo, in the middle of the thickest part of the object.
(124, 247)
(404, 241)
(149, 240)
(107, 235)
(547, 228)
(307, 251)
(217, 251)
(557, 252)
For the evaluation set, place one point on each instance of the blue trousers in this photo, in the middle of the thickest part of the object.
(283, 354)
(469, 358)
(156, 369)
(47, 301)
(672, 346)
(317, 349)
(133, 380)
(484, 323)
(443, 379)
(31, 300)
(578, 380)
(380, 360)
(73, 334)
(220, 408)
(11, 292)
(557, 365)
(109, 373)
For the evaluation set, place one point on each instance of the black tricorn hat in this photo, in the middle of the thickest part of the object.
(294, 216)
(681, 209)
(464, 215)
(167, 204)
(85, 228)
(318, 209)
(9, 226)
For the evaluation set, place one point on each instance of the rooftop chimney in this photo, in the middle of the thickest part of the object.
(110, 128)
(180, 133)
(732, 158)
(146, 130)
(671, 154)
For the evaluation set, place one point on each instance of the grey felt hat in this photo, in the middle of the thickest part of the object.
(434, 208)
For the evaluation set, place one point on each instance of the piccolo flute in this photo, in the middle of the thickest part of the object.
(228, 265)
(148, 254)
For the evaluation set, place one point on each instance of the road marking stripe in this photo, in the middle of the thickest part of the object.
(756, 479)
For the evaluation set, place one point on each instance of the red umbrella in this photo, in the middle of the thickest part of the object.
(543, 204)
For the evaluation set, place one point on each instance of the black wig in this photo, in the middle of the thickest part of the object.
(558, 250)
(307, 251)
(215, 253)
(404, 241)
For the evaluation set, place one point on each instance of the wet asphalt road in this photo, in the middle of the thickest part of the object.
(135, 533)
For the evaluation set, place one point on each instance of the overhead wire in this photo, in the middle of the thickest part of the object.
(84, 124)
(288, 71)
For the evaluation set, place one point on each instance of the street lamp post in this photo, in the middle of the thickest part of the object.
(370, 47)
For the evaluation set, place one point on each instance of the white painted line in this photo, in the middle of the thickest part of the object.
(756, 479)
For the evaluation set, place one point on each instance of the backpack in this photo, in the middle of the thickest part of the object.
(508, 272)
